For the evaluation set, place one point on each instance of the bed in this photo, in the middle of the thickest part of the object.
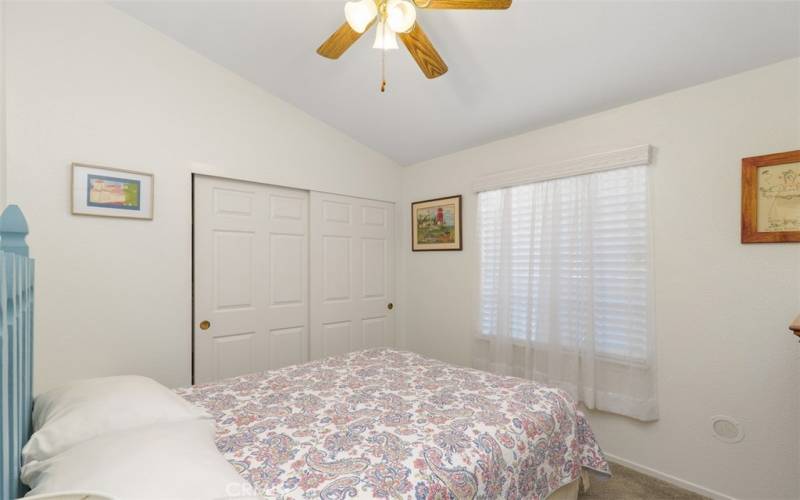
(392, 424)
(377, 423)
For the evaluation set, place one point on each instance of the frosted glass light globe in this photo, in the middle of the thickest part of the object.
(400, 15)
(385, 38)
(360, 13)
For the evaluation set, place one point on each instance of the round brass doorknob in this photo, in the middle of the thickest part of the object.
(205, 325)
(390, 306)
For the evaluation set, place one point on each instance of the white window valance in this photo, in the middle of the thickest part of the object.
(627, 157)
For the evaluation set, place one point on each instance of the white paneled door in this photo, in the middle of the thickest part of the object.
(352, 278)
(250, 278)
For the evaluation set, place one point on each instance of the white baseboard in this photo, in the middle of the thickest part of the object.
(696, 488)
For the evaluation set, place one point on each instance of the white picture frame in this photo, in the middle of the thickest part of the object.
(111, 192)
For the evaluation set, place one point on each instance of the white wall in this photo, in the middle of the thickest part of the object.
(87, 83)
(722, 308)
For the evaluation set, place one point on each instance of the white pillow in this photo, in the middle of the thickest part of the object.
(70, 495)
(162, 461)
(81, 410)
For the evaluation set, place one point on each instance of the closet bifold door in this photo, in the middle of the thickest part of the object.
(352, 274)
(250, 278)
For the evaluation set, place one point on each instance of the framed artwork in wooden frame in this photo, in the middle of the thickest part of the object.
(436, 224)
(771, 198)
(111, 192)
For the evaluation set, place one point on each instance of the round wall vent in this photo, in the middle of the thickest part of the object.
(726, 429)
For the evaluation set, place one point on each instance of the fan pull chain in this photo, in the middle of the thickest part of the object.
(383, 70)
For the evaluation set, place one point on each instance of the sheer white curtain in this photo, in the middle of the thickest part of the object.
(565, 295)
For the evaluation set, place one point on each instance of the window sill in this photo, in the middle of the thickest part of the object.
(604, 357)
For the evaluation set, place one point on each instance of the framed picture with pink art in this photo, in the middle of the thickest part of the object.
(771, 198)
(111, 192)
(436, 224)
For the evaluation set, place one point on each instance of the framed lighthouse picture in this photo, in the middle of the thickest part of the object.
(436, 224)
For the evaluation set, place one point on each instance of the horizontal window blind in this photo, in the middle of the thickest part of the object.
(565, 263)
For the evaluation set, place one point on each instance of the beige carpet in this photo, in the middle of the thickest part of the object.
(627, 484)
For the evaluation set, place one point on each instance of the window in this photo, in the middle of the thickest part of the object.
(564, 263)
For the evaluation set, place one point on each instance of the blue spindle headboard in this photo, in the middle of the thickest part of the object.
(16, 348)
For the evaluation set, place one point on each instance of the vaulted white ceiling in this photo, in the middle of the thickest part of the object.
(536, 64)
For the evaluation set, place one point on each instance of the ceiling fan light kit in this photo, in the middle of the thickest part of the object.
(397, 18)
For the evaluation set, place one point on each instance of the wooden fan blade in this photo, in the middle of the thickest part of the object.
(421, 49)
(340, 41)
(463, 4)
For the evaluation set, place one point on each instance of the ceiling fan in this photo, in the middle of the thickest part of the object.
(397, 18)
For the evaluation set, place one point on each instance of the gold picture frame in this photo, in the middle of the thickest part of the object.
(436, 225)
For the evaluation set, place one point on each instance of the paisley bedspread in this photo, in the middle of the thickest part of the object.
(393, 424)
